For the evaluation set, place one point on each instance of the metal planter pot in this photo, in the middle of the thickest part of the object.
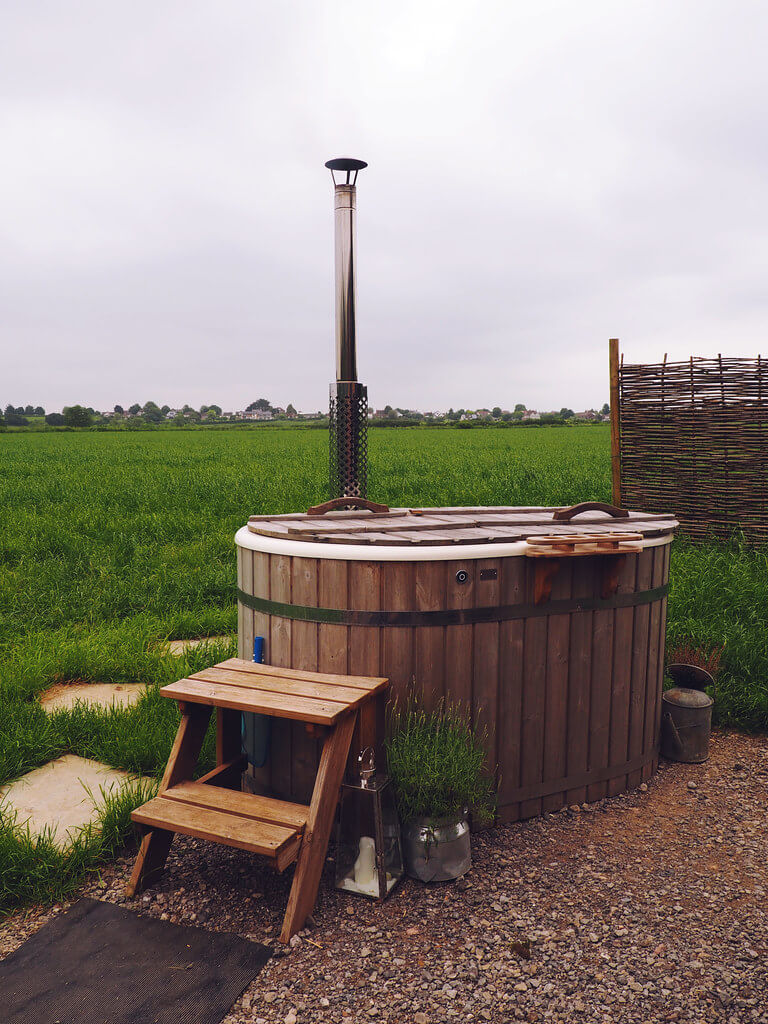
(436, 850)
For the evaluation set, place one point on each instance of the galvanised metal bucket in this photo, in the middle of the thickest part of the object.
(686, 723)
(436, 851)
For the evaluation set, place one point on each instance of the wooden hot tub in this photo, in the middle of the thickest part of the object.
(557, 651)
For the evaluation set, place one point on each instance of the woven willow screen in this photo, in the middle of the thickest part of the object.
(693, 440)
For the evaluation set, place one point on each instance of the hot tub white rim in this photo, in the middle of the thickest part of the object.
(245, 538)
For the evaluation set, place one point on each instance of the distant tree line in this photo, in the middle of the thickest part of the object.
(137, 416)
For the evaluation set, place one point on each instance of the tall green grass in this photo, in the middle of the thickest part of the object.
(112, 542)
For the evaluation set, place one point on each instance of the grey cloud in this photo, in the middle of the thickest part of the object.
(542, 175)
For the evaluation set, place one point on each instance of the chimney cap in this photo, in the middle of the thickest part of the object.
(347, 164)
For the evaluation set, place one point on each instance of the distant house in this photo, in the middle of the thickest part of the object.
(531, 414)
(469, 416)
(254, 414)
(588, 414)
(484, 414)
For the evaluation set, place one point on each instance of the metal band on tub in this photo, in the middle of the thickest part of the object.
(448, 616)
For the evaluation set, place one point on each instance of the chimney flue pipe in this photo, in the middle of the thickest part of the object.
(348, 415)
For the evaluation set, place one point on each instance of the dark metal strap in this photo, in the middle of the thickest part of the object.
(588, 778)
(448, 616)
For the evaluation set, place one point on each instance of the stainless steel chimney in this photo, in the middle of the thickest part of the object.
(349, 398)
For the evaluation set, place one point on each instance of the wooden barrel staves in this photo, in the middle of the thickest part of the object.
(550, 631)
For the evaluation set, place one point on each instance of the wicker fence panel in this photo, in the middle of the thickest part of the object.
(694, 441)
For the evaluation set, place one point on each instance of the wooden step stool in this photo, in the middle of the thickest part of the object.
(213, 808)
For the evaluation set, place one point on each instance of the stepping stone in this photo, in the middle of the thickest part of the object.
(56, 796)
(95, 694)
(179, 646)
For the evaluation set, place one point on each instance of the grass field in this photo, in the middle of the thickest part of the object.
(111, 542)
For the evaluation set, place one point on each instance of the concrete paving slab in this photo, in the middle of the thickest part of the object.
(57, 796)
(97, 694)
(179, 646)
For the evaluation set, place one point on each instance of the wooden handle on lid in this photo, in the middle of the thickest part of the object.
(564, 514)
(347, 502)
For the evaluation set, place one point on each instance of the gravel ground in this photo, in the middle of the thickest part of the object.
(648, 907)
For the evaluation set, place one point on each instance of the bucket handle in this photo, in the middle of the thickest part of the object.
(564, 514)
(350, 501)
(672, 730)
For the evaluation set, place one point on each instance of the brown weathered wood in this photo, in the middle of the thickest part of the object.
(318, 828)
(366, 684)
(156, 844)
(579, 677)
(655, 661)
(456, 527)
(615, 397)
(526, 734)
(285, 684)
(556, 695)
(600, 696)
(228, 745)
(260, 702)
(429, 585)
(533, 706)
(261, 776)
(364, 652)
(398, 589)
(223, 773)
(304, 747)
(246, 805)
(332, 638)
(511, 636)
(459, 640)
(217, 826)
(280, 654)
(623, 619)
(639, 680)
(485, 667)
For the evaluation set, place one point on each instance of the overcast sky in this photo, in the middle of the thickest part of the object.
(543, 175)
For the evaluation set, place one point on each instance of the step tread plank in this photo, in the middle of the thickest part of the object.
(205, 823)
(278, 705)
(345, 695)
(245, 805)
(369, 684)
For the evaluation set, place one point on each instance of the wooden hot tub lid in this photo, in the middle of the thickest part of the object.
(451, 525)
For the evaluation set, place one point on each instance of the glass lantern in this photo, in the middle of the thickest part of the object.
(369, 857)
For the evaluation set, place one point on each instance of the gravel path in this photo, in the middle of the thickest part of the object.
(648, 907)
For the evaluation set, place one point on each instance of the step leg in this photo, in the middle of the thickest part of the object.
(322, 809)
(228, 747)
(185, 752)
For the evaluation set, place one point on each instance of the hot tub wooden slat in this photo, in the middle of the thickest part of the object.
(639, 684)
(622, 672)
(580, 674)
(429, 591)
(281, 653)
(600, 698)
(304, 644)
(485, 662)
(556, 701)
(511, 644)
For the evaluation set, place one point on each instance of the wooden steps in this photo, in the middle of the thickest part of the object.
(213, 808)
(272, 828)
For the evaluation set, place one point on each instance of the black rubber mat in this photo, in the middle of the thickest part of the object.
(101, 964)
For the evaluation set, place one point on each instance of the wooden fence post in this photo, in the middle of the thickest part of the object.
(613, 361)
